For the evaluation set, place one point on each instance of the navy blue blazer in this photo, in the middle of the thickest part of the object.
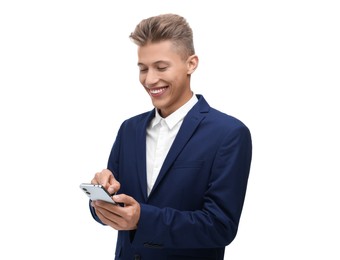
(194, 208)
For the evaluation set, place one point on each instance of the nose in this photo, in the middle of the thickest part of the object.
(151, 78)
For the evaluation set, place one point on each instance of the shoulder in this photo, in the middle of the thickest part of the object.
(224, 118)
(139, 119)
(216, 117)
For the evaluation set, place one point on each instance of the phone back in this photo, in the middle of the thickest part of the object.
(96, 192)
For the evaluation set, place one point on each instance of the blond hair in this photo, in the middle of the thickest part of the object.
(165, 27)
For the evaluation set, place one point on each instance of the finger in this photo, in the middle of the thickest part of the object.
(98, 178)
(105, 176)
(94, 180)
(106, 207)
(102, 178)
(107, 217)
(114, 185)
(123, 198)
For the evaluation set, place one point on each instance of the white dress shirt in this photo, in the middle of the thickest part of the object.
(160, 135)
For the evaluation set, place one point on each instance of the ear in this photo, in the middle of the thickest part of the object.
(192, 63)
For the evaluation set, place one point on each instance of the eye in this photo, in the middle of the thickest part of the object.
(162, 68)
(143, 70)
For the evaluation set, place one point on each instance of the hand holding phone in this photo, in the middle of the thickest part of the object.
(96, 192)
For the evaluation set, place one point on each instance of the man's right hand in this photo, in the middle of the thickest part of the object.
(106, 179)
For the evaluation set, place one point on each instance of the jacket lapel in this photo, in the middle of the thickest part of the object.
(141, 154)
(190, 123)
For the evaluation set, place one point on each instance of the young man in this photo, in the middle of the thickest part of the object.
(180, 170)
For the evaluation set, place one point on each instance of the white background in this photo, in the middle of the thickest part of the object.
(68, 78)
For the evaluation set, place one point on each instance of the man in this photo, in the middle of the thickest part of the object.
(181, 170)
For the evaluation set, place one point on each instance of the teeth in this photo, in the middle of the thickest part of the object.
(156, 91)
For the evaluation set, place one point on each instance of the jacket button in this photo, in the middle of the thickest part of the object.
(137, 257)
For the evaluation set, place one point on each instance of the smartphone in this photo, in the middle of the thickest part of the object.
(96, 192)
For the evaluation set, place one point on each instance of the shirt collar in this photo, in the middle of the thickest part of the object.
(176, 116)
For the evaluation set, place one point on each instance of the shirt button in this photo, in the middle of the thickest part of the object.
(137, 257)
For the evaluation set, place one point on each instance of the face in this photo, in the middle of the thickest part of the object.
(165, 75)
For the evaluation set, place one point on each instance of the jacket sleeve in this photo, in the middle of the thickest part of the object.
(113, 167)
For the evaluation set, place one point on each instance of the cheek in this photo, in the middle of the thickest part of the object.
(141, 79)
(179, 79)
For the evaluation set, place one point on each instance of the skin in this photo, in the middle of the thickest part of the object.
(165, 75)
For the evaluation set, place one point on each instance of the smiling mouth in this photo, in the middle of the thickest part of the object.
(157, 91)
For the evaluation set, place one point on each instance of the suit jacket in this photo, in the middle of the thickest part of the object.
(194, 208)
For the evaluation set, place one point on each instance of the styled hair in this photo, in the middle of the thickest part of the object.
(165, 27)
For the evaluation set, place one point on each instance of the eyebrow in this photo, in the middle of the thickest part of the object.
(155, 63)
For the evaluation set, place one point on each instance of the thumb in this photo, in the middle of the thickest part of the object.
(123, 198)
